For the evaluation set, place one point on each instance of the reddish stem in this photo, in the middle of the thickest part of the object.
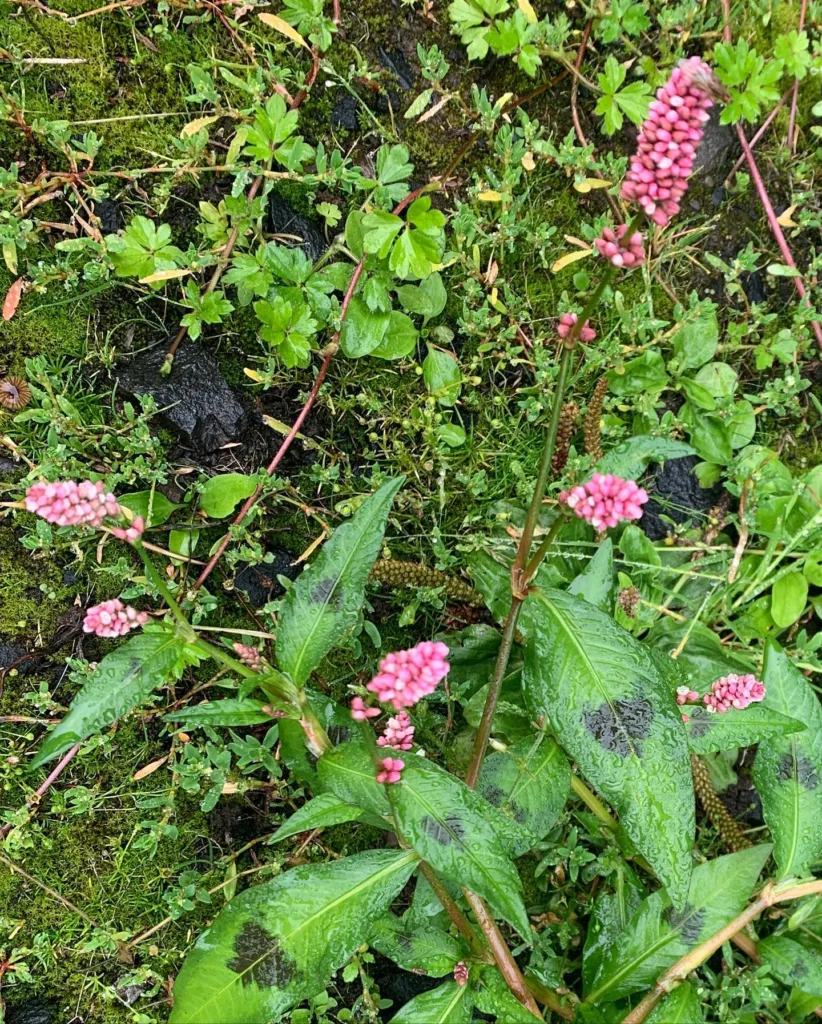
(759, 133)
(792, 118)
(41, 790)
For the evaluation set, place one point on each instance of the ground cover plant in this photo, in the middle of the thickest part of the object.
(410, 521)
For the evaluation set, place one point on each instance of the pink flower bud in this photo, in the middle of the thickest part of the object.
(360, 712)
(566, 323)
(405, 677)
(69, 503)
(391, 768)
(113, 618)
(250, 656)
(132, 532)
(399, 733)
(606, 501)
(734, 691)
(615, 247)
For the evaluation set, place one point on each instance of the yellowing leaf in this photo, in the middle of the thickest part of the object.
(283, 27)
(587, 184)
(194, 126)
(528, 162)
(528, 11)
(490, 196)
(164, 275)
(253, 375)
(785, 219)
(569, 258)
(503, 100)
(496, 303)
(10, 257)
(149, 768)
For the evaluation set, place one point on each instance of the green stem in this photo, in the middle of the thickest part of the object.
(545, 546)
(592, 802)
(157, 582)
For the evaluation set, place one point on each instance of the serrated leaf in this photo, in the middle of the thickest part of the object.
(325, 601)
(423, 948)
(529, 784)
(616, 717)
(280, 942)
(123, 680)
(449, 1004)
(321, 812)
(450, 826)
(735, 728)
(787, 769)
(658, 935)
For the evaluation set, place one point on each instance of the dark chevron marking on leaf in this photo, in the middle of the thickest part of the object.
(520, 814)
(618, 727)
(260, 959)
(802, 769)
(325, 591)
(799, 970)
(689, 922)
(700, 722)
(494, 795)
(446, 832)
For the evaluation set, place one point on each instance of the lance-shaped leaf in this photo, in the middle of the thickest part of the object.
(492, 996)
(324, 810)
(682, 1006)
(609, 918)
(736, 728)
(658, 934)
(449, 1004)
(231, 711)
(348, 771)
(325, 601)
(617, 718)
(529, 784)
(455, 830)
(423, 948)
(788, 769)
(279, 943)
(596, 582)
(122, 681)
(792, 964)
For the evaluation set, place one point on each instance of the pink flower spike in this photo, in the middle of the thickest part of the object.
(622, 252)
(566, 323)
(606, 500)
(734, 691)
(250, 656)
(131, 533)
(68, 503)
(461, 973)
(113, 618)
(657, 178)
(399, 733)
(405, 677)
(391, 768)
(684, 695)
(360, 711)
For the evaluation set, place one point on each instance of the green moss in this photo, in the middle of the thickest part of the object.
(32, 593)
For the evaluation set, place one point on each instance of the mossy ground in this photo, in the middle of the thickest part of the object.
(372, 415)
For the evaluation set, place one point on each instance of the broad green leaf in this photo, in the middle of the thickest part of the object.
(348, 771)
(379, 231)
(442, 376)
(681, 1006)
(400, 337)
(280, 942)
(449, 1004)
(702, 659)
(800, 1004)
(631, 458)
(616, 717)
(792, 963)
(325, 601)
(423, 948)
(426, 299)
(122, 681)
(393, 165)
(231, 711)
(324, 810)
(596, 582)
(455, 830)
(609, 918)
(736, 728)
(492, 996)
(789, 595)
(719, 380)
(646, 373)
(414, 254)
(221, 494)
(695, 342)
(155, 509)
(787, 769)
(658, 935)
(529, 783)
(708, 434)
(362, 331)
(337, 722)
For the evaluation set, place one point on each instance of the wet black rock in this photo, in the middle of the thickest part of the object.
(753, 285)
(110, 216)
(10, 652)
(8, 466)
(284, 220)
(201, 405)
(398, 985)
(719, 195)
(260, 583)
(32, 1011)
(344, 114)
(676, 494)
(395, 62)
(716, 143)
(743, 802)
